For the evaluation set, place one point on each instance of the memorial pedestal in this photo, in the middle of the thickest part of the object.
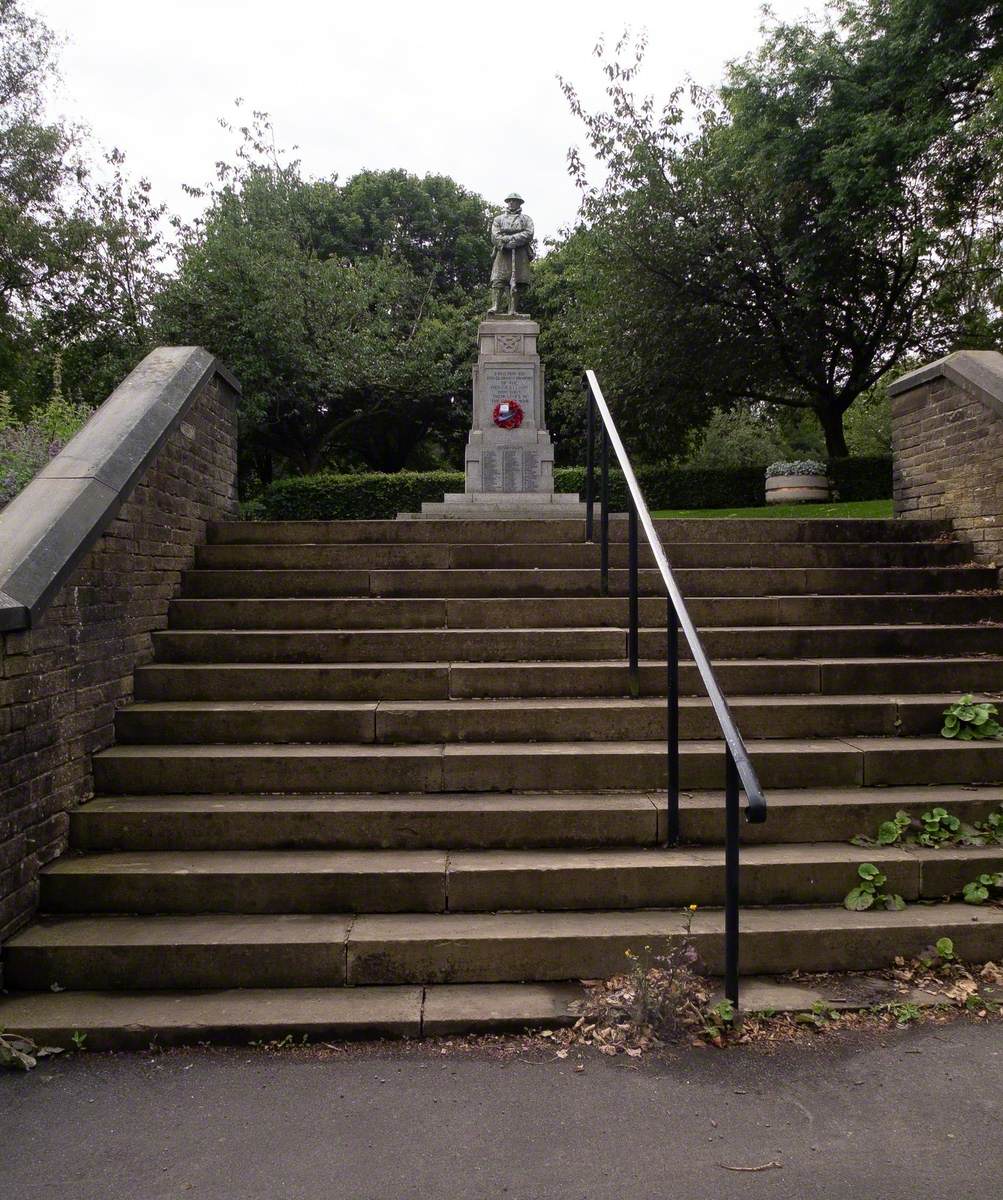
(509, 461)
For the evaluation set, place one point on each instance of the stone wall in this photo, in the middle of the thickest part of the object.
(62, 680)
(947, 442)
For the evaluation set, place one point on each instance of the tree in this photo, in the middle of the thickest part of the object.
(792, 235)
(431, 224)
(352, 350)
(79, 254)
(565, 349)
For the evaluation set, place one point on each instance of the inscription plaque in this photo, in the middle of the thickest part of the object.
(510, 383)
(530, 471)
(489, 470)
(511, 470)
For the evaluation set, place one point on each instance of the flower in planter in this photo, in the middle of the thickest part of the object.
(806, 466)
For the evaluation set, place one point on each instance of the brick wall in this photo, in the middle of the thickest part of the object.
(61, 681)
(947, 442)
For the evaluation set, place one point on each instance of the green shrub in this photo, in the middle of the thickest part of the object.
(26, 448)
(676, 487)
(330, 497)
(862, 478)
(736, 438)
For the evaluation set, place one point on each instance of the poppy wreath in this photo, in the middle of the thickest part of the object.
(507, 414)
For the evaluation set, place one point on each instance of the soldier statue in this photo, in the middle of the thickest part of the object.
(512, 237)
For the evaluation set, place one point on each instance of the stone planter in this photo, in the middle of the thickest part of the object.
(791, 489)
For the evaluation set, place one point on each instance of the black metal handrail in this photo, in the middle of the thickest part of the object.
(739, 773)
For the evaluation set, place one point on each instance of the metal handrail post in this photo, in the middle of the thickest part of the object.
(672, 691)
(604, 515)
(632, 603)
(590, 438)
(731, 877)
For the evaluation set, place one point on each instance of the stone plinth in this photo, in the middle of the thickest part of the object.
(509, 471)
(511, 506)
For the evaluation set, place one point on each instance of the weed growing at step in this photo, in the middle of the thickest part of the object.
(620, 1015)
(889, 832)
(818, 1016)
(937, 827)
(720, 1023)
(869, 892)
(970, 721)
(980, 888)
(940, 954)
(661, 998)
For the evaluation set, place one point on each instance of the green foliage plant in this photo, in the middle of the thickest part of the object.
(940, 956)
(26, 447)
(905, 1013)
(970, 720)
(978, 890)
(938, 827)
(719, 1021)
(819, 1015)
(889, 832)
(989, 830)
(869, 891)
(739, 437)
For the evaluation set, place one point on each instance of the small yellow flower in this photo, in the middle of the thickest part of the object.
(693, 908)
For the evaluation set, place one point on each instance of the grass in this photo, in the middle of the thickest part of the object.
(851, 508)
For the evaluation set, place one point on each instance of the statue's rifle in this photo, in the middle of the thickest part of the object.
(512, 285)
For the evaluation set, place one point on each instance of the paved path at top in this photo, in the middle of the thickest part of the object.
(911, 1115)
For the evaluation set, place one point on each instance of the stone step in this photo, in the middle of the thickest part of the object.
(438, 681)
(126, 953)
(388, 645)
(462, 948)
(578, 612)
(435, 881)
(388, 722)
(371, 821)
(550, 766)
(769, 529)
(541, 645)
(715, 581)
(443, 556)
(456, 821)
(137, 1020)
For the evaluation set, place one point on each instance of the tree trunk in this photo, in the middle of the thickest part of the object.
(264, 464)
(832, 425)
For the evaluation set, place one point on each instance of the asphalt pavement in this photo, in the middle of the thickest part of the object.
(912, 1114)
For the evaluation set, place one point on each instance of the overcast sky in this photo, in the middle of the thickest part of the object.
(463, 89)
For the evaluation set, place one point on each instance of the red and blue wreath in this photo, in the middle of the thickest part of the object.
(507, 414)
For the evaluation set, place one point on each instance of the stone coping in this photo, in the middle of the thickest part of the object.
(48, 527)
(977, 372)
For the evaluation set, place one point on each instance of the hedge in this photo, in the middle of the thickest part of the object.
(862, 478)
(329, 497)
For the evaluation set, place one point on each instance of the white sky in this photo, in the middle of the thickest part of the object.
(462, 89)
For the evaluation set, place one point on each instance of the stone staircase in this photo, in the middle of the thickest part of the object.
(386, 777)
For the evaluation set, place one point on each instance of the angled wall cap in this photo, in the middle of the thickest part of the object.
(977, 372)
(48, 527)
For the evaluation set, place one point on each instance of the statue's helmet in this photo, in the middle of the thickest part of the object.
(514, 196)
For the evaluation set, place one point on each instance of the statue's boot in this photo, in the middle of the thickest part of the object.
(496, 294)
